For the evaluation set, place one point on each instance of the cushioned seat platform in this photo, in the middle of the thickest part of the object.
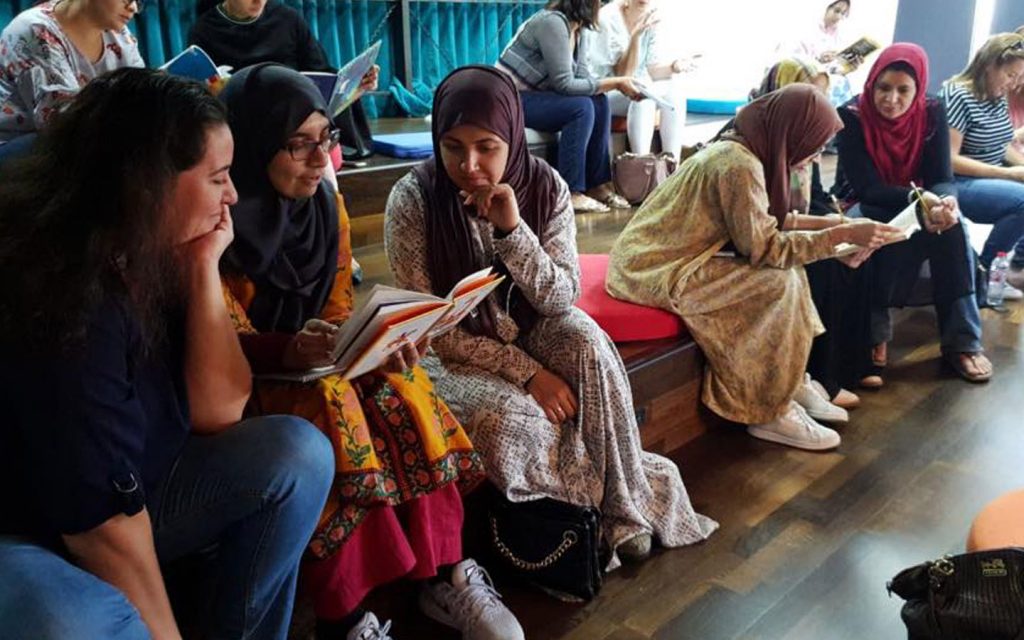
(405, 145)
(622, 321)
(723, 106)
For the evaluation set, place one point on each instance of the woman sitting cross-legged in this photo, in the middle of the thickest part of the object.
(895, 135)
(541, 387)
(626, 46)
(988, 168)
(751, 313)
(549, 61)
(124, 382)
(395, 510)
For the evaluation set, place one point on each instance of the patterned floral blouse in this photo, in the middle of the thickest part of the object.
(40, 68)
(545, 269)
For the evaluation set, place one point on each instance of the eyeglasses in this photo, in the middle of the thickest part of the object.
(301, 151)
(139, 4)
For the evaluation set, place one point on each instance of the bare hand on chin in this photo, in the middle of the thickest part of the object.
(495, 203)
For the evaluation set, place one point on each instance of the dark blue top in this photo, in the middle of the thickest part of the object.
(89, 434)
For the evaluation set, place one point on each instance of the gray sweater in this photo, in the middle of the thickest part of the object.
(541, 57)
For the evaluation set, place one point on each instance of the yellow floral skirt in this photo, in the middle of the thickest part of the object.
(394, 440)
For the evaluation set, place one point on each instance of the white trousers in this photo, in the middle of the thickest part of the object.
(640, 117)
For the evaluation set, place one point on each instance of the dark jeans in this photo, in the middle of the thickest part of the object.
(995, 202)
(15, 148)
(952, 264)
(256, 489)
(584, 124)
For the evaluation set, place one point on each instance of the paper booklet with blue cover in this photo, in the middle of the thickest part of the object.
(339, 89)
(389, 318)
(196, 64)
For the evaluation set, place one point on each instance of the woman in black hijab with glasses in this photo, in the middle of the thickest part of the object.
(401, 458)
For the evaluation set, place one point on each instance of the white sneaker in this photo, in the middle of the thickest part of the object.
(813, 397)
(470, 604)
(369, 628)
(796, 429)
(1011, 292)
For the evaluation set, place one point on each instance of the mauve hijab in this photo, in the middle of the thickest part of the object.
(287, 248)
(782, 128)
(487, 98)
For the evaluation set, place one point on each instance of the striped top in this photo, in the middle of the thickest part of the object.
(984, 124)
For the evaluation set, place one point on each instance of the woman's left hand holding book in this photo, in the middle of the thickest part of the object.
(311, 347)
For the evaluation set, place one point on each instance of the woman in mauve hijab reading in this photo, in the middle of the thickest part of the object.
(539, 386)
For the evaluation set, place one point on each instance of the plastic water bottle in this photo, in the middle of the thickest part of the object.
(997, 279)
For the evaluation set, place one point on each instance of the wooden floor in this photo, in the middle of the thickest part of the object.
(807, 540)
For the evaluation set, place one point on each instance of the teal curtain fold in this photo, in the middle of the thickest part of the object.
(444, 35)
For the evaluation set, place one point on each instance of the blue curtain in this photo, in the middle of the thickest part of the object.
(447, 35)
(444, 35)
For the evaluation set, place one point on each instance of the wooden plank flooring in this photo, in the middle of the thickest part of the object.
(807, 540)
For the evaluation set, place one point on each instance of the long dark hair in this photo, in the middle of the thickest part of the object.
(85, 216)
(582, 12)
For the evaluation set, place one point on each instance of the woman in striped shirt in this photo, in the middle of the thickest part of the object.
(989, 170)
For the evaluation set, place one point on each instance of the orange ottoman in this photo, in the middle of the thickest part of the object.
(1000, 524)
(622, 321)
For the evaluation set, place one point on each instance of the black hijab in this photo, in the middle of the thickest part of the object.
(487, 98)
(288, 248)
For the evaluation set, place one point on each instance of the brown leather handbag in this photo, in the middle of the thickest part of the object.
(636, 176)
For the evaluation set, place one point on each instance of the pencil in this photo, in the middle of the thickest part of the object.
(839, 208)
(924, 207)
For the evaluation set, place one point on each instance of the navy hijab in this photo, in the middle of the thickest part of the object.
(287, 248)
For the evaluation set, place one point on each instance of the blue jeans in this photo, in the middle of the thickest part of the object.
(995, 202)
(584, 124)
(16, 148)
(255, 490)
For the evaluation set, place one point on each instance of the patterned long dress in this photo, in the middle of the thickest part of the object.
(595, 460)
(396, 445)
(752, 314)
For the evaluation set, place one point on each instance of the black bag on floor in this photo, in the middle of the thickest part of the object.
(973, 596)
(551, 544)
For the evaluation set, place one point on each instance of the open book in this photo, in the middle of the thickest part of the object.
(390, 318)
(339, 89)
(646, 92)
(906, 221)
(860, 49)
(195, 63)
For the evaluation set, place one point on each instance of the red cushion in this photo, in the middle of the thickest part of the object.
(623, 321)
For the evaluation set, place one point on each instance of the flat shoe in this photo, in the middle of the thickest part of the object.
(953, 360)
(846, 399)
(582, 203)
(880, 355)
(872, 382)
(615, 201)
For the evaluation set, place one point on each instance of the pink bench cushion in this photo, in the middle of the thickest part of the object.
(623, 321)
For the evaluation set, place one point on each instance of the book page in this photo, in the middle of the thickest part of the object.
(349, 78)
(465, 303)
(391, 340)
(906, 221)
